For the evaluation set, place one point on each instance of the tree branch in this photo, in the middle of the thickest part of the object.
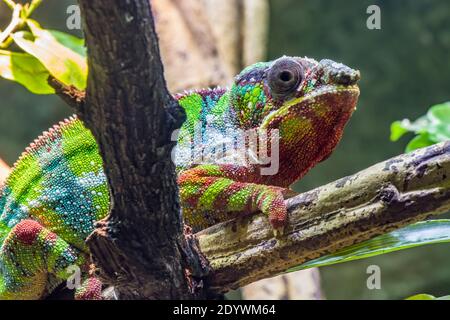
(379, 199)
(74, 97)
(140, 248)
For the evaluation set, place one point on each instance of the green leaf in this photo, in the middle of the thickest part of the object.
(421, 296)
(74, 43)
(420, 141)
(431, 128)
(397, 130)
(439, 113)
(425, 296)
(422, 124)
(418, 234)
(63, 63)
(439, 117)
(26, 70)
(439, 132)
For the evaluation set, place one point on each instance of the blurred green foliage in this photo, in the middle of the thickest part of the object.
(413, 235)
(433, 127)
(26, 70)
(43, 53)
(404, 67)
(424, 296)
(64, 64)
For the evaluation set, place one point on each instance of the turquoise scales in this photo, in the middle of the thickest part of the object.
(58, 182)
(57, 189)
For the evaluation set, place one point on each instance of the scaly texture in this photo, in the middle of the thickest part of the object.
(237, 153)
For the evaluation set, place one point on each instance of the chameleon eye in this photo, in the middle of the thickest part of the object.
(285, 76)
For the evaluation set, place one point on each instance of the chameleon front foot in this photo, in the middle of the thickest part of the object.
(278, 232)
(272, 204)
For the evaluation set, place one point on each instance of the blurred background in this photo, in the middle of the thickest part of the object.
(405, 69)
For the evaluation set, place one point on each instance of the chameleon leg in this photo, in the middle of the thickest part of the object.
(29, 254)
(222, 190)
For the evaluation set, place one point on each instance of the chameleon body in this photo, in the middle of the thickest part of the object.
(58, 189)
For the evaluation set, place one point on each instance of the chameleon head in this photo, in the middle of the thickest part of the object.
(308, 102)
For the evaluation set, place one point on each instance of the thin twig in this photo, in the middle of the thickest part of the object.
(32, 6)
(19, 16)
(74, 97)
(15, 21)
(10, 4)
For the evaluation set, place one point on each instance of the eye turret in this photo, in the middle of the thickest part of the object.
(284, 76)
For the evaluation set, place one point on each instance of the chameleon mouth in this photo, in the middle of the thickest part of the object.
(341, 98)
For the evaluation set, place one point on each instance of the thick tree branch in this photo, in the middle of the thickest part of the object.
(140, 247)
(379, 199)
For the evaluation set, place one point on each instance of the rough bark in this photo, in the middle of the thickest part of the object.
(377, 200)
(140, 247)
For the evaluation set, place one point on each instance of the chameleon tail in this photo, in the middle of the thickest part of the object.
(31, 252)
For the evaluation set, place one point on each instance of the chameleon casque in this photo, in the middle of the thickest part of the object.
(58, 189)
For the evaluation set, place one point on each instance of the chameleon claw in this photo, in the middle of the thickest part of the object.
(278, 232)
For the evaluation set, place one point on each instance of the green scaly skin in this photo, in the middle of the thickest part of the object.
(58, 189)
